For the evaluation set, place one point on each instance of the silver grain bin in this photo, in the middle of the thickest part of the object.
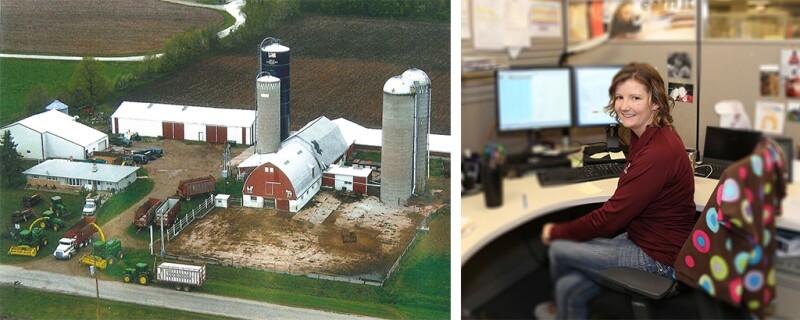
(397, 141)
(422, 126)
(268, 125)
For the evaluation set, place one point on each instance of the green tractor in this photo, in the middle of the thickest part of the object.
(141, 273)
(58, 207)
(103, 254)
(48, 221)
(29, 242)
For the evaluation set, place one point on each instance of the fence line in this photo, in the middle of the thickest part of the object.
(198, 212)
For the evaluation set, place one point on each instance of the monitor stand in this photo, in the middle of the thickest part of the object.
(612, 145)
(612, 138)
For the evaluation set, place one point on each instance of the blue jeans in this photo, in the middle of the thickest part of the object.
(576, 269)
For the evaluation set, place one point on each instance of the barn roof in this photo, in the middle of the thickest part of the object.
(294, 159)
(372, 137)
(324, 138)
(62, 125)
(185, 114)
(81, 170)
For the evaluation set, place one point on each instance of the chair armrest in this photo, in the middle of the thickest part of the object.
(639, 282)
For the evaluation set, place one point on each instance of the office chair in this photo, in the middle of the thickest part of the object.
(725, 268)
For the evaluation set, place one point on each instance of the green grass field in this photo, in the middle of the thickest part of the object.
(19, 76)
(20, 303)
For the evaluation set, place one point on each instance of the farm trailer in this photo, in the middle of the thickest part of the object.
(143, 216)
(182, 276)
(192, 187)
(167, 211)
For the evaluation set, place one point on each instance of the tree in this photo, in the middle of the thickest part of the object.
(10, 160)
(38, 97)
(88, 85)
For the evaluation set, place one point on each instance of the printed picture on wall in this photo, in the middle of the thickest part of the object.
(770, 80)
(790, 70)
(681, 92)
(679, 65)
(793, 111)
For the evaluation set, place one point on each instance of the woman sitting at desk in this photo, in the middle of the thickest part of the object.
(653, 202)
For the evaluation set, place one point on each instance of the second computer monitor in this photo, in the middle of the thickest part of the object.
(591, 85)
(533, 99)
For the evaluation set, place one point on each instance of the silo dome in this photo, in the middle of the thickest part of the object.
(275, 47)
(417, 77)
(398, 85)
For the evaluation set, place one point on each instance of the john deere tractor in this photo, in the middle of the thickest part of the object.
(103, 253)
(29, 242)
(48, 221)
(141, 273)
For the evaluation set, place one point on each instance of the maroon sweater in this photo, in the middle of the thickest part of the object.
(654, 199)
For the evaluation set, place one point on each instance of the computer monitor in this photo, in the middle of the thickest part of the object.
(591, 85)
(726, 145)
(531, 99)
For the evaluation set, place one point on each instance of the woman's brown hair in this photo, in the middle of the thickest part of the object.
(651, 79)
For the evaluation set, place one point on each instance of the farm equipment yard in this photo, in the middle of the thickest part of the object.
(331, 237)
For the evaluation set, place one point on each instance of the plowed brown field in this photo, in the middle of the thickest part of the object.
(96, 27)
(338, 68)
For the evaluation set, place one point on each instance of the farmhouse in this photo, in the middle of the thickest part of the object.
(290, 177)
(176, 122)
(65, 174)
(53, 134)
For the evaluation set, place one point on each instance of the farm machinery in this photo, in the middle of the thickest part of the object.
(77, 236)
(29, 243)
(32, 239)
(54, 204)
(103, 253)
(183, 276)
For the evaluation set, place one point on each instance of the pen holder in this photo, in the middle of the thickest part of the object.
(492, 177)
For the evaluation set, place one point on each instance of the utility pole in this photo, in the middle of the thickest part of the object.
(93, 272)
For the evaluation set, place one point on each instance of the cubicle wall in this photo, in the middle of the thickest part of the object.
(728, 70)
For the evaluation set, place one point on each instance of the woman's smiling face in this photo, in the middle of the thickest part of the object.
(633, 107)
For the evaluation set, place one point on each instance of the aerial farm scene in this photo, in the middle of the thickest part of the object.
(274, 159)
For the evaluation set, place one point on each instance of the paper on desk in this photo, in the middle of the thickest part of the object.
(466, 226)
(599, 155)
(617, 155)
(588, 188)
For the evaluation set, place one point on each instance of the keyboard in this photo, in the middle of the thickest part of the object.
(790, 265)
(714, 169)
(590, 172)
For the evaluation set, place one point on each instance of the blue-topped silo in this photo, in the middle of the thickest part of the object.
(275, 61)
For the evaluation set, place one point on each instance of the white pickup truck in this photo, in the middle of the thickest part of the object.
(90, 207)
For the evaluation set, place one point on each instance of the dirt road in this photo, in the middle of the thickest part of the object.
(159, 297)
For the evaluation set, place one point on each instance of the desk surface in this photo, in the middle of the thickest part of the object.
(524, 200)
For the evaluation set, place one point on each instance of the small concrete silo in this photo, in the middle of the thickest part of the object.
(397, 176)
(422, 126)
(275, 61)
(268, 124)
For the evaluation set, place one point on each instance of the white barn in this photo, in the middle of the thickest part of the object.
(439, 145)
(67, 174)
(53, 134)
(176, 122)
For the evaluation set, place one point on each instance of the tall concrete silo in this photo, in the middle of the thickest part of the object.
(422, 126)
(397, 152)
(275, 61)
(268, 113)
